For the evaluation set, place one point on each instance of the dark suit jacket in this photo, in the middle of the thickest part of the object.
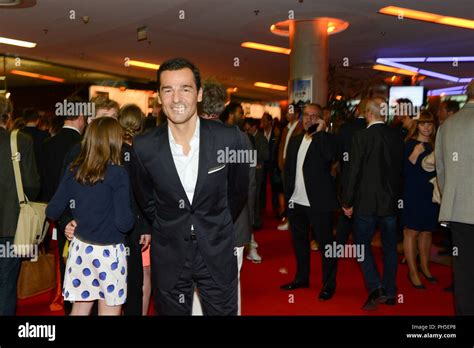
(375, 166)
(38, 137)
(263, 150)
(320, 185)
(53, 153)
(218, 200)
(9, 205)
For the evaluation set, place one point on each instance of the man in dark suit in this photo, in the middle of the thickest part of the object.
(371, 195)
(346, 132)
(192, 195)
(9, 205)
(311, 192)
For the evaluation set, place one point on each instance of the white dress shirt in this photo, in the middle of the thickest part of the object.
(186, 166)
(374, 122)
(73, 128)
(299, 194)
(291, 129)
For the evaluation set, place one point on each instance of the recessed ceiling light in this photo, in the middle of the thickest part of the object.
(401, 12)
(37, 76)
(270, 86)
(20, 43)
(264, 47)
(145, 65)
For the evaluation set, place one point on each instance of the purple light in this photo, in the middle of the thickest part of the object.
(469, 79)
(396, 65)
(438, 92)
(407, 60)
(438, 75)
(450, 59)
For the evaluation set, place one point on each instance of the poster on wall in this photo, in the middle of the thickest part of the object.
(302, 91)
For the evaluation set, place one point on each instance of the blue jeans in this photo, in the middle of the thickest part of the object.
(364, 228)
(9, 269)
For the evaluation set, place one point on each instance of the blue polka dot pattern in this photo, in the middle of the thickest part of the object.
(122, 271)
(101, 294)
(76, 282)
(79, 260)
(85, 294)
(95, 282)
(110, 288)
(67, 294)
(114, 266)
(106, 253)
(96, 263)
(86, 271)
(89, 249)
(102, 275)
(121, 292)
(121, 247)
(69, 270)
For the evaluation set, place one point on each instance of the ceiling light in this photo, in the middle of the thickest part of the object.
(143, 64)
(393, 70)
(270, 86)
(334, 26)
(37, 76)
(401, 12)
(263, 47)
(13, 42)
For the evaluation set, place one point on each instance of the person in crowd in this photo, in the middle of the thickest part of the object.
(420, 213)
(447, 109)
(9, 205)
(96, 187)
(311, 192)
(455, 174)
(156, 118)
(270, 166)
(346, 133)
(31, 118)
(263, 153)
(192, 196)
(131, 118)
(371, 195)
(293, 129)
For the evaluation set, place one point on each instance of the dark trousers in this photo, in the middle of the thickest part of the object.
(463, 263)
(62, 265)
(215, 299)
(301, 217)
(259, 180)
(9, 269)
(134, 304)
(364, 228)
(343, 229)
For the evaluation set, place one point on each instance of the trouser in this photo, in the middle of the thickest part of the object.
(301, 217)
(364, 227)
(215, 299)
(134, 304)
(259, 179)
(9, 269)
(463, 263)
(197, 308)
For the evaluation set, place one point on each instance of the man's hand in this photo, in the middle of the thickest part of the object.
(348, 211)
(145, 240)
(69, 230)
(321, 125)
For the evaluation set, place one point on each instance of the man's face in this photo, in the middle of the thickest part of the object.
(236, 116)
(179, 95)
(443, 112)
(264, 123)
(310, 115)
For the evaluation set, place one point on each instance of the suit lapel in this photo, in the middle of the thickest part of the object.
(206, 146)
(167, 163)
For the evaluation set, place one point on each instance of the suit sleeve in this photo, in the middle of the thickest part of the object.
(59, 202)
(439, 160)
(123, 218)
(353, 172)
(252, 182)
(237, 180)
(142, 185)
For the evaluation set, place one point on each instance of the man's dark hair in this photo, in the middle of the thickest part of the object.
(178, 64)
(213, 98)
(229, 109)
(30, 115)
(267, 116)
(74, 99)
(451, 106)
(407, 103)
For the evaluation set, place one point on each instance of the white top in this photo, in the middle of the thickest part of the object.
(291, 129)
(299, 194)
(187, 166)
(267, 135)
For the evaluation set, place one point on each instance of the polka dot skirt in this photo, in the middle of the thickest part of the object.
(96, 272)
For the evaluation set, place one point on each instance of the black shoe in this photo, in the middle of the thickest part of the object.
(375, 297)
(390, 301)
(418, 287)
(294, 285)
(326, 294)
(431, 279)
